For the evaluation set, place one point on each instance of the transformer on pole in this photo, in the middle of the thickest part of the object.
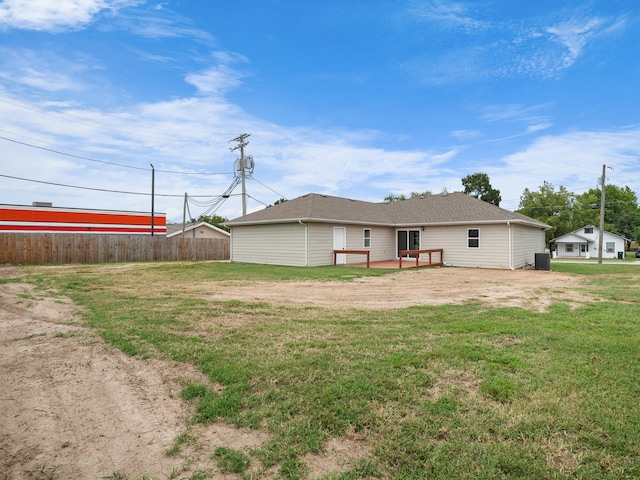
(243, 165)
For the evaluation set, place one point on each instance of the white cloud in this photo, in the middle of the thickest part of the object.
(512, 111)
(446, 14)
(215, 80)
(161, 23)
(55, 15)
(573, 160)
(575, 34)
(492, 50)
(539, 127)
(466, 134)
(48, 72)
(192, 134)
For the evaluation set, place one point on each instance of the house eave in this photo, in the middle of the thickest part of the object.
(387, 224)
(303, 220)
(472, 222)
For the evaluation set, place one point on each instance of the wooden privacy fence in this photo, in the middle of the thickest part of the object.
(30, 248)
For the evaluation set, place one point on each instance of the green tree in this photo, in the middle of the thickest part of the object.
(555, 208)
(215, 220)
(396, 198)
(478, 185)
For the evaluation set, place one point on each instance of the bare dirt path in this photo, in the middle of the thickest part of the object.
(72, 407)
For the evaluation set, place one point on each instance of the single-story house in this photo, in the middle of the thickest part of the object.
(305, 231)
(196, 230)
(584, 242)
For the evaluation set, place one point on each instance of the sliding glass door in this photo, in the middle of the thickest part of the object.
(408, 240)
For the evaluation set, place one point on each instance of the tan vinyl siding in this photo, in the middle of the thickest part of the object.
(492, 253)
(279, 244)
(320, 244)
(311, 244)
(527, 241)
(382, 243)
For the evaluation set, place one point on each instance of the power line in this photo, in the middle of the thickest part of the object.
(220, 200)
(255, 179)
(106, 162)
(94, 188)
(259, 201)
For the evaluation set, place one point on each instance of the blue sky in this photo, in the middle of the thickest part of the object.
(354, 98)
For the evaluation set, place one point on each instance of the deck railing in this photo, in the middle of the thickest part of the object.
(417, 253)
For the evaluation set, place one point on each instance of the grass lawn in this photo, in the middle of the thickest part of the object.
(447, 392)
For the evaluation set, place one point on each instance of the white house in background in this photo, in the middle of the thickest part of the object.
(583, 242)
(196, 230)
(307, 230)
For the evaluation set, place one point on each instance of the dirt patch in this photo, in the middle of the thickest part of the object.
(74, 407)
(530, 289)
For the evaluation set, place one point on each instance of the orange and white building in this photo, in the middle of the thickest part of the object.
(45, 218)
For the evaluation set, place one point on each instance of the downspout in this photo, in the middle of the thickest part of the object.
(306, 243)
(510, 246)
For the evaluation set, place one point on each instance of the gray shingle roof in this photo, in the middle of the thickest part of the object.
(177, 227)
(173, 228)
(448, 208)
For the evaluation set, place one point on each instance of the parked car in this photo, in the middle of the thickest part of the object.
(638, 252)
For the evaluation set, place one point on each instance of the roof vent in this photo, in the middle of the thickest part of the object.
(42, 204)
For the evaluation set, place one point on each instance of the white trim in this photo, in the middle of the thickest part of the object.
(510, 246)
(306, 243)
(475, 238)
(365, 238)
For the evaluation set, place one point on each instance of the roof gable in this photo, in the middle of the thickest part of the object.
(572, 238)
(578, 233)
(453, 208)
(174, 229)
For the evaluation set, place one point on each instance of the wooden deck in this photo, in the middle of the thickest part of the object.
(408, 259)
(391, 264)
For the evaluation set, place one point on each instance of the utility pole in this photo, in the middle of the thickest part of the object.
(153, 194)
(243, 164)
(184, 215)
(601, 232)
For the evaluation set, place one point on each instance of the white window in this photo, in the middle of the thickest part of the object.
(611, 247)
(473, 238)
(366, 238)
(568, 248)
(588, 230)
